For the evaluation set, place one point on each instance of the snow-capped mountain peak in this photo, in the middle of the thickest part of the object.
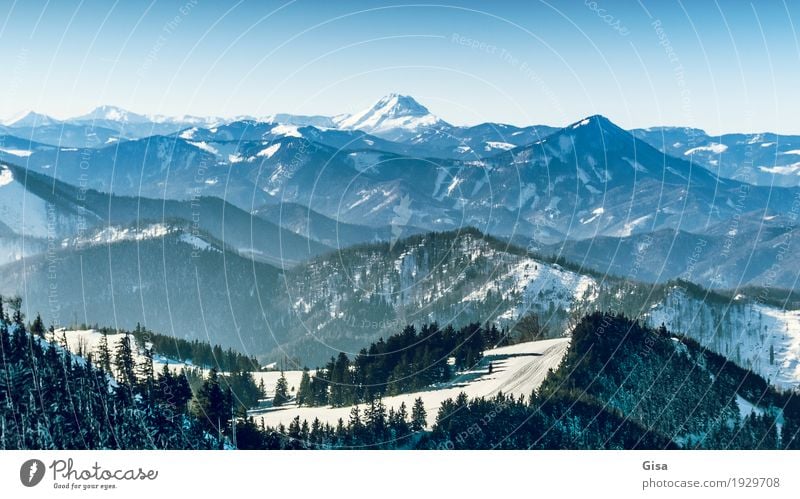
(112, 113)
(32, 119)
(393, 116)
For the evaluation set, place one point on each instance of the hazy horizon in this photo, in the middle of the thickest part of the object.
(712, 66)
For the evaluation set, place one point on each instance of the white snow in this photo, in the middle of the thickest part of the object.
(517, 370)
(112, 234)
(793, 151)
(270, 379)
(744, 335)
(746, 408)
(269, 151)
(505, 146)
(713, 147)
(195, 241)
(188, 134)
(535, 282)
(204, 146)
(22, 153)
(631, 225)
(794, 168)
(392, 112)
(596, 213)
(88, 341)
(581, 123)
(286, 131)
(6, 177)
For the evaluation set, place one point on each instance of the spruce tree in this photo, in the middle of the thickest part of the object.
(104, 353)
(212, 404)
(304, 394)
(37, 328)
(146, 371)
(418, 415)
(281, 391)
(124, 361)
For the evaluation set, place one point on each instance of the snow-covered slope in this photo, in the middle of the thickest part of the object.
(517, 370)
(755, 336)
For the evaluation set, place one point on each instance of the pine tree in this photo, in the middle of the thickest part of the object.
(146, 370)
(304, 394)
(104, 353)
(418, 415)
(281, 391)
(124, 361)
(37, 328)
(355, 427)
(212, 404)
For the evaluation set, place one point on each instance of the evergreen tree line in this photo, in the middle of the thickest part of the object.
(373, 427)
(50, 399)
(244, 393)
(197, 352)
(402, 363)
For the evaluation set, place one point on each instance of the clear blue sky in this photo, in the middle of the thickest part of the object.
(726, 66)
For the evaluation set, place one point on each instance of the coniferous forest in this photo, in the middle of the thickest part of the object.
(621, 385)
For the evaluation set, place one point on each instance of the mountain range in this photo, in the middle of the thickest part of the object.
(277, 235)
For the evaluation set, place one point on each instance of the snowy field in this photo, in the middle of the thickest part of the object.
(518, 370)
(270, 379)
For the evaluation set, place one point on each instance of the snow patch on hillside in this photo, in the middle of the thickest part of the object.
(534, 282)
(6, 177)
(791, 169)
(22, 153)
(286, 131)
(713, 147)
(748, 334)
(113, 234)
(269, 151)
(204, 146)
(504, 146)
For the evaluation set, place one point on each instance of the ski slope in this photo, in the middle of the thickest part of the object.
(517, 369)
